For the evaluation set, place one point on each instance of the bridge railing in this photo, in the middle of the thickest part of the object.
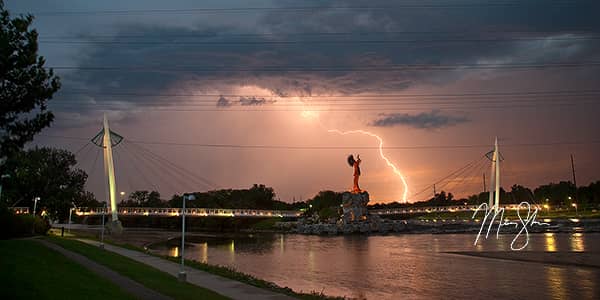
(434, 209)
(225, 212)
(192, 212)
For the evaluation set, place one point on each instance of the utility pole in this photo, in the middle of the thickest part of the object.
(575, 199)
(434, 191)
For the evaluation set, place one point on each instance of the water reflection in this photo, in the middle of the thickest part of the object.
(577, 242)
(389, 267)
(203, 252)
(550, 242)
(556, 282)
(174, 252)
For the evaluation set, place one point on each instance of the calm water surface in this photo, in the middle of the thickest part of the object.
(404, 266)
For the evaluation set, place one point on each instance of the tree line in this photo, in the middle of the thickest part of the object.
(561, 194)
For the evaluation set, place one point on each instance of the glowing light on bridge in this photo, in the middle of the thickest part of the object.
(387, 161)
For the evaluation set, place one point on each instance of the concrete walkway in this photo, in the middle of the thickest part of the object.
(130, 286)
(224, 286)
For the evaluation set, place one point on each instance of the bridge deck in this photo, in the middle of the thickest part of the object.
(260, 213)
(191, 212)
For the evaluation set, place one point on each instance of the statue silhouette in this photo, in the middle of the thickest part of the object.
(355, 163)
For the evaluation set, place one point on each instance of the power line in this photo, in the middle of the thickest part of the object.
(383, 95)
(465, 32)
(289, 147)
(334, 103)
(325, 110)
(397, 67)
(329, 41)
(215, 10)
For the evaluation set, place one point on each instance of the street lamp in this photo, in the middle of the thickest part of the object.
(182, 276)
(35, 200)
(2, 177)
(70, 213)
(102, 234)
(575, 205)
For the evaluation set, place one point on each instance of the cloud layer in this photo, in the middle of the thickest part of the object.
(425, 120)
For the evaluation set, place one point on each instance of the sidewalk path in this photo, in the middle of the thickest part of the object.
(130, 286)
(224, 286)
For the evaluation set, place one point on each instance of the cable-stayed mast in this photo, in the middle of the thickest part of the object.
(107, 139)
(495, 157)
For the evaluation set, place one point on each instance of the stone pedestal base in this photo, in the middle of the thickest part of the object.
(114, 227)
(355, 207)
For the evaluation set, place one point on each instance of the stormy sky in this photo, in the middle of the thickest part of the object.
(232, 93)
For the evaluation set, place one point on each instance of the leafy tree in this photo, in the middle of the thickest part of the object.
(144, 199)
(325, 199)
(49, 174)
(556, 193)
(25, 85)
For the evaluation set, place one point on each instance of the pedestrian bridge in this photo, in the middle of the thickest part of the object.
(191, 212)
(261, 213)
(439, 209)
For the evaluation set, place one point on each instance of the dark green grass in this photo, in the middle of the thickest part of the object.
(148, 276)
(29, 270)
(226, 272)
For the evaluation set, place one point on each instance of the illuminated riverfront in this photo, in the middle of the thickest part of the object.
(348, 149)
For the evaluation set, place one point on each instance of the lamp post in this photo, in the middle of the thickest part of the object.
(35, 200)
(2, 177)
(102, 234)
(182, 276)
(70, 213)
(575, 205)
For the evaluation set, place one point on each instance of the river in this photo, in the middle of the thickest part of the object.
(410, 266)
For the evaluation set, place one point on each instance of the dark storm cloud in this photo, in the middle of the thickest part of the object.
(223, 102)
(207, 58)
(244, 101)
(254, 101)
(424, 120)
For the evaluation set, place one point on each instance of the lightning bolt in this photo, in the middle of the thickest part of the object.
(387, 161)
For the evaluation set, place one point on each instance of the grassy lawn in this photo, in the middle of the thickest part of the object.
(150, 277)
(214, 269)
(29, 270)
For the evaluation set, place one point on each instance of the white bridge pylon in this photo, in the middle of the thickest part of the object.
(107, 139)
(495, 157)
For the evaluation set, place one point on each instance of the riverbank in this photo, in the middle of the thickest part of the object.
(132, 244)
(572, 259)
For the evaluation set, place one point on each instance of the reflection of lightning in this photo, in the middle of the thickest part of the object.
(389, 163)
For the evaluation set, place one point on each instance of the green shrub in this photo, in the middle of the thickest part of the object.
(14, 226)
